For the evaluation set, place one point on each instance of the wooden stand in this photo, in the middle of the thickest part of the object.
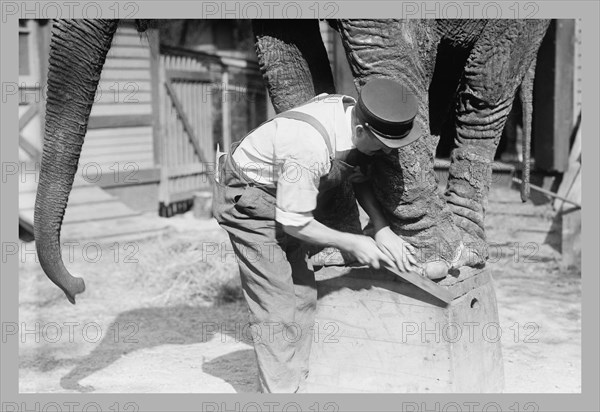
(376, 333)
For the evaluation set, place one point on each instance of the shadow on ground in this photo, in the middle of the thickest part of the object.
(181, 325)
(236, 368)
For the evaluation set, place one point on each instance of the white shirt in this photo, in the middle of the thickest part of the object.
(292, 155)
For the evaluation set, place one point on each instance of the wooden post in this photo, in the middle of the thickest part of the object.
(571, 217)
(226, 114)
(553, 97)
(577, 70)
(156, 85)
(161, 130)
(571, 227)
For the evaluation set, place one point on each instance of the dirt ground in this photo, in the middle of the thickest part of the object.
(162, 318)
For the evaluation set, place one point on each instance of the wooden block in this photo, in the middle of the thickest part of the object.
(202, 205)
(377, 333)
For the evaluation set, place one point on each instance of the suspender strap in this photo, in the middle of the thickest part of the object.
(307, 118)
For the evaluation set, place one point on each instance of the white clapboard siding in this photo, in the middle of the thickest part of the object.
(128, 29)
(139, 154)
(129, 52)
(91, 213)
(118, 142)
(126, 74)
(125, 90)
(122, 149)
(128, 96)
(124, 93)
(124, 109)
(133, 64)
(124, 39)
(101, 135)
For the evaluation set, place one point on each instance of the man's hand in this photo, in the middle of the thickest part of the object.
(366, 251)
(397, 249)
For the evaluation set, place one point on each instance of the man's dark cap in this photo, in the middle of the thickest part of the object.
(388, 109)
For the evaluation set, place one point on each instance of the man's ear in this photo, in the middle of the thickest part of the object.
(360, 131)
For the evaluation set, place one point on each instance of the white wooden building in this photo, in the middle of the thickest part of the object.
(158, 114)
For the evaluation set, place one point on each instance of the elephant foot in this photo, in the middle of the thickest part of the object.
(438, 247)
(437, 265)
(440, 268)
(474, 248)
(470, 254)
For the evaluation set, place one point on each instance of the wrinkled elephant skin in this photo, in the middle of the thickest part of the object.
(486, 62)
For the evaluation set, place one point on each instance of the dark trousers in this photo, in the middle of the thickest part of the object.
(277, 280)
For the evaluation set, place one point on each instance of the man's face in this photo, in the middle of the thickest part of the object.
(367, 143)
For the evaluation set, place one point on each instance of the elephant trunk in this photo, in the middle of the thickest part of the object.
(78, 49)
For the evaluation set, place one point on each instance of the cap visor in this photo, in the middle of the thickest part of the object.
(414, 134)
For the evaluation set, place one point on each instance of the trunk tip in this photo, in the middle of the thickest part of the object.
(525, 192)
(70, 298)
(76, 286)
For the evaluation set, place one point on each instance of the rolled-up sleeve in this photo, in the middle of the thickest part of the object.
(298, 181)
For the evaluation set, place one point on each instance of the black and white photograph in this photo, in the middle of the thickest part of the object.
(299, 205)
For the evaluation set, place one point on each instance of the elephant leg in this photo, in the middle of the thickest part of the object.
(404, 181)
(295, 67)
(293, 61)
(495, 68)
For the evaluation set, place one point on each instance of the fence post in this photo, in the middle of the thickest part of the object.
(159, 107)
(225, 108)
